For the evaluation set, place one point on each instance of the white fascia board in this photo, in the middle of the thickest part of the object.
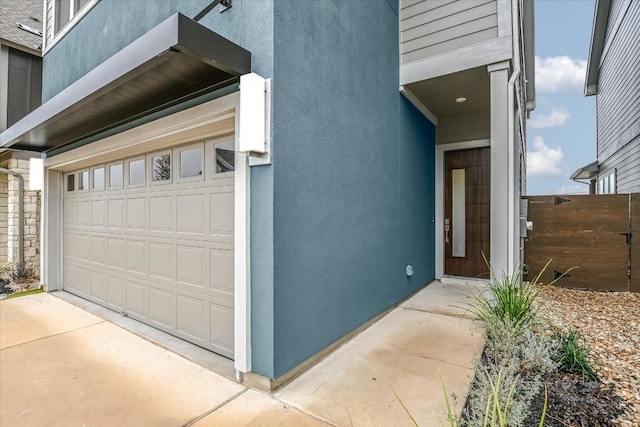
(418, 104)
(473, 56)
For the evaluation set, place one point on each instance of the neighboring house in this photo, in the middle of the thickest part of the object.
(265, 220)
(613, 76)
(20, 93)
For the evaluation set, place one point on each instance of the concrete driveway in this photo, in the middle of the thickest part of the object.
(63, 366)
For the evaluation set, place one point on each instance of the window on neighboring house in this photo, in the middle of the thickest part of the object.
(24, 93)
(65, 11)
(607, 184)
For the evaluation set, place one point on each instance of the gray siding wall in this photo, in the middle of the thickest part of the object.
(626, 163)
(432, 27)
(618, 110)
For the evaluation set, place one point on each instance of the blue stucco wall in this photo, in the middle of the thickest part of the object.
(353, 175)
(113, 24)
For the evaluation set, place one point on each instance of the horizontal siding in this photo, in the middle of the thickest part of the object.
(619, 85)
(616, 7)
(618, 111)
(626, 162)
(432, 27)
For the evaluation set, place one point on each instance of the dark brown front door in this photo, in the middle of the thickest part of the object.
(467, 210)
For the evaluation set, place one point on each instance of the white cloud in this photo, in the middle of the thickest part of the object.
(544, 161)
(558, 73)
(557, 117)
(575, 188)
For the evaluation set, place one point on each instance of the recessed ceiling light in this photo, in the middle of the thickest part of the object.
(460, 100)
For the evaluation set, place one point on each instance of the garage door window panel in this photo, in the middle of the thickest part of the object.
(160, 170)
(135, 173)
(70, 182)
(83, 181)
(115, 176)
(97, 178)
(224, 157)
(191, 160)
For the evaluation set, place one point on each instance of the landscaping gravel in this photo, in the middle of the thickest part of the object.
(610, 323)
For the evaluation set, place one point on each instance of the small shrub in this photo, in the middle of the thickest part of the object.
(573, 356)
(537, 352)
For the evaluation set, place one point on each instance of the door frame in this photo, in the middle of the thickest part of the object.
(195, 123)
(439, 221)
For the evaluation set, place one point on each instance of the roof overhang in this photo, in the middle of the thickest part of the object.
(589, 172)
(598, 33)
(174, 62)
(528, 32)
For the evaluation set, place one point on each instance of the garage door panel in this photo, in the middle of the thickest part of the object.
(98, 253)
(116, 293)
(99, 286)
(83, 281)
(115, 213)
(161, 307)
(83, 246)
(191, 216)
(135, 256)
(70, 209)
(162, 261)
(135, 301)
(84, 214)
(161, 253)
(115, 253)
(98, 213)
(221, 270)
(190, 317)
(222, 213)
(161, 214)
(69, 273)
(221, 327)
(136, 213)
(192, 267)
(70, 242)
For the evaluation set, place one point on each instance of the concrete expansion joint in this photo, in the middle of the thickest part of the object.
(54, 335)
(215, 408)
(288, 405)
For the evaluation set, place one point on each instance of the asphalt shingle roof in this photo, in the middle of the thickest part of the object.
(22, 11)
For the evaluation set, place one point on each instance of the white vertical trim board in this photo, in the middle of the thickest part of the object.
(242, 260)
(440, 150)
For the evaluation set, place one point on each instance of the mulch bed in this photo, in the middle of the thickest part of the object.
(610, 324)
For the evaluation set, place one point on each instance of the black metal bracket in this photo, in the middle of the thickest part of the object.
(224, 5)
(558, 275)
(559, 200)
(628, 235)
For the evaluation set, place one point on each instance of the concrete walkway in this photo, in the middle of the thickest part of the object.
(63, 366)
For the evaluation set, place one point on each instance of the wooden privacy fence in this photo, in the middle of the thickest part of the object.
(597, 234)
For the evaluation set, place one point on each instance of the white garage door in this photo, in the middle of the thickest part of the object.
(152, 237)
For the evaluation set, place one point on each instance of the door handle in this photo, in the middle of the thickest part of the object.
(446, 230)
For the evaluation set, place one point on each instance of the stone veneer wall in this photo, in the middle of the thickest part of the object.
(31, 217)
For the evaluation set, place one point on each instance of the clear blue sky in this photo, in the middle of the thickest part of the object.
(561, 132)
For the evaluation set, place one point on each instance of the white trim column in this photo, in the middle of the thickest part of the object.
(51, 238)
(501, 168)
